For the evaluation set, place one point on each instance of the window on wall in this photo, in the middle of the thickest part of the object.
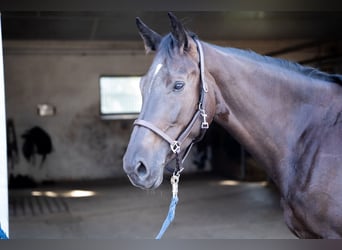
(120, 97)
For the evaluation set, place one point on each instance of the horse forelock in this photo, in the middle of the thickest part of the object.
(166, 46)
(166, 53)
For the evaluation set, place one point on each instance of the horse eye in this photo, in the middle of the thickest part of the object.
(178, 86)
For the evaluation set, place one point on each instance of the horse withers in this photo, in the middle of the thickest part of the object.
(289, 117)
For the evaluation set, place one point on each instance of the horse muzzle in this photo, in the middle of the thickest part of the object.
(141, 175)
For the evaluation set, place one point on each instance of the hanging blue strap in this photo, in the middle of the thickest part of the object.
(3, 235)
(169, 218)
(172, 209)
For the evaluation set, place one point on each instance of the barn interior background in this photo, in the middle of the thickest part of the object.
(55, 60)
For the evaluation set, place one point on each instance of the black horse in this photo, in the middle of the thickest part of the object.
(287, 116)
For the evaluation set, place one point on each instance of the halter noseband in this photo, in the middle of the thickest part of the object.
(175, 145)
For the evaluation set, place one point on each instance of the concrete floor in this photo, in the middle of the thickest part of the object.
(208, 208)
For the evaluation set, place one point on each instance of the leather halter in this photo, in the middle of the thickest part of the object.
(175, 145)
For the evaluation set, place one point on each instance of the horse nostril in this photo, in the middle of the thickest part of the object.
(141, 169)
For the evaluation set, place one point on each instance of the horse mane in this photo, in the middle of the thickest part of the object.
(293, 66)
(167, 45)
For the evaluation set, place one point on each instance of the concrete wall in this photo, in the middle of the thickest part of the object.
(66, 75)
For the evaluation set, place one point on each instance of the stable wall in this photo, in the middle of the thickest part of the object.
(66, 75)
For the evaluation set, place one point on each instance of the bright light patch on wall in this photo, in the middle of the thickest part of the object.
(120, 96)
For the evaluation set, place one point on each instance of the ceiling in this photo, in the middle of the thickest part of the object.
(318, 29)
(209, 25)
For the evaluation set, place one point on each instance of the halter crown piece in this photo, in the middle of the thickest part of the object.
(175, 145)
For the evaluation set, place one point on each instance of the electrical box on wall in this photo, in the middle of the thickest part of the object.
(46, 110)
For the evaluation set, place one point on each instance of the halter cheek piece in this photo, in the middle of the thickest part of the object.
(175, 145)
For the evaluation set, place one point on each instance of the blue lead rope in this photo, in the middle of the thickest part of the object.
(169, 218)
(172, 209)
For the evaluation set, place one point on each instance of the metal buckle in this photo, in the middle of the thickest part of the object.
(174, 183)
(205, 125)
(175, 147)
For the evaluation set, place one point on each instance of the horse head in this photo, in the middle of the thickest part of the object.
(175, 107)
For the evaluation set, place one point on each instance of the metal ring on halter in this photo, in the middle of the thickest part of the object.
(175, 147)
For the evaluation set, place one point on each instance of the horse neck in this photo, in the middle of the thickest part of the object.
(264, 107)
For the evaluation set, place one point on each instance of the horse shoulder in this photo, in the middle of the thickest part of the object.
(313, 204)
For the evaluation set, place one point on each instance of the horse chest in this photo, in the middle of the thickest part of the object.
(313, 213)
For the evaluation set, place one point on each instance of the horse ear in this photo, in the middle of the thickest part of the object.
(151, 38)
(178, 32)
